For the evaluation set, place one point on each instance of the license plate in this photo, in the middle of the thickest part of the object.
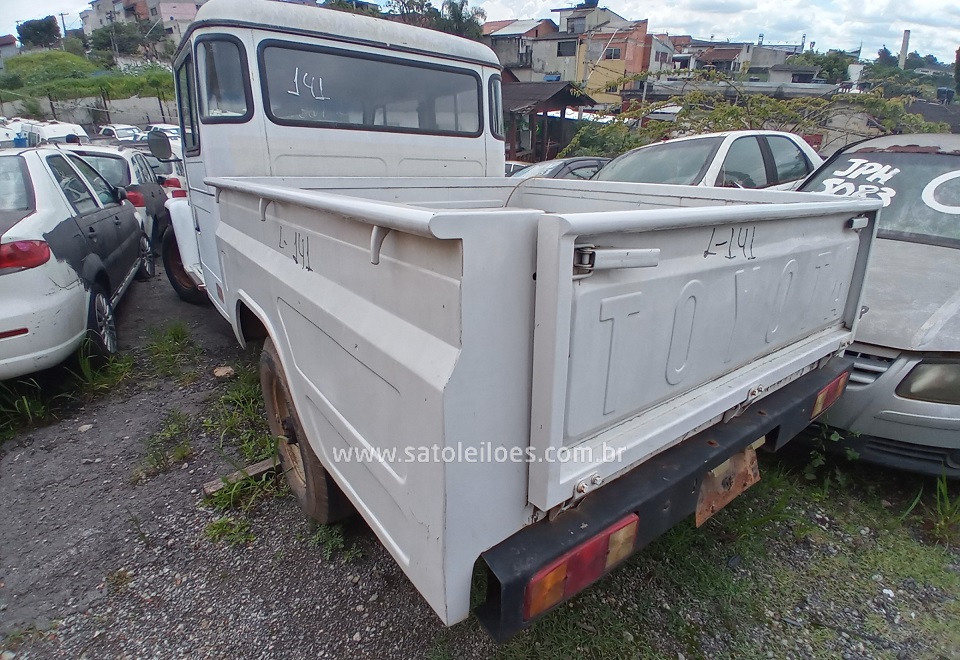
(727, 481)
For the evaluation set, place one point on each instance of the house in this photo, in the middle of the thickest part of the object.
(511, 41)
(792, 73)
(170, 17)
(531, 134)
(8, 48)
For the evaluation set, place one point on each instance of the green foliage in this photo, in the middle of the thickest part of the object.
(944, 515)
(173, 353)
(126, 38)
(421, 13)
(238, 417)
(233, 532)
(456, 17)
(245, 492)
(885, 57)
(350, 7)
(74, 46)
(833, 65)
(39, 33)
(10, 81)
(329, 540)
(39, 68)
(168, 447)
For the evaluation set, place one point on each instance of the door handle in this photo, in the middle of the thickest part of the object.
(116, 220)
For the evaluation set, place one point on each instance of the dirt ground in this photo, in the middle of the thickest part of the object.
(95, 563)
(92, 565)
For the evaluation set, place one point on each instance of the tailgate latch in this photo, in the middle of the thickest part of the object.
(589, 258)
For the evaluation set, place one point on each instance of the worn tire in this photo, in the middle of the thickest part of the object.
(180, 280)
(101, 340)
(148, 263)
(315, 490)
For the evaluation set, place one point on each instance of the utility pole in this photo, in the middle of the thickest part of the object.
(63, 38)
(113, 37)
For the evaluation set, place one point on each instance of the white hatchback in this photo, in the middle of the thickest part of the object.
(70, 244)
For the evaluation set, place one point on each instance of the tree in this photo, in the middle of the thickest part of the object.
(886, 58)
(74, 45)
(351, 7)
(39, 33)
(461, 20)
(125, 37)
(421, 13)
(833, 65)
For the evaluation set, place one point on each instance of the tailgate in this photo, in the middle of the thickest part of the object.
(652, 324)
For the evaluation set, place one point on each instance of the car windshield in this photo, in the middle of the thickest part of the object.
(14, 185)
(113, 168)
(546, 168)
(127, 132)
(679, 162)
(920, 191)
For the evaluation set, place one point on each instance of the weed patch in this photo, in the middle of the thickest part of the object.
(238, 417)
(173, 353)
(229, 530)
(330, 541)
(167, 447)
(244, 493)
(118, 580)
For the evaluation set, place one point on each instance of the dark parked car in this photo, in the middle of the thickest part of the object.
(903, 401)
(581, 167)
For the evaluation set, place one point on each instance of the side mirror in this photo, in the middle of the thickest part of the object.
(159, 143)
(120, 194)
(160, 178)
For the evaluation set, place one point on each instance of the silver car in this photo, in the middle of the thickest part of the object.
(902, 406)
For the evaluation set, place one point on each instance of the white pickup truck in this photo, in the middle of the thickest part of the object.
(541, 374)
(530, 378)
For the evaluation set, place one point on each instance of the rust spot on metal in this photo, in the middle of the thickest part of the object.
(712, 443)
(726, 482)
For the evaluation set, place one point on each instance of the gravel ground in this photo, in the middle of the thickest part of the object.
(95, 566)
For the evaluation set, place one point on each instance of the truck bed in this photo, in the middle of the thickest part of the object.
(587, 325)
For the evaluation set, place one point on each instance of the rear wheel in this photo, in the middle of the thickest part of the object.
(180, 280)
(315, 490)
(148, 263)
(101, 324)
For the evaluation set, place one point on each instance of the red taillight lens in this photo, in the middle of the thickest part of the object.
(13, 333)
(179, 192)
(172, 182)
(580, 567)
(136, 198)
(24, 254)
(829, 395)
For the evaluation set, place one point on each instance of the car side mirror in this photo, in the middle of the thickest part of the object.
(120, 194)
(160, 179)
(159, 143)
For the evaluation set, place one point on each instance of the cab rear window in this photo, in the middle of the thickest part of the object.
(113, 168)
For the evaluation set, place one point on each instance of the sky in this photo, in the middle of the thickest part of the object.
(843, 24)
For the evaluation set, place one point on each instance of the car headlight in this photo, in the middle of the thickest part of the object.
(937, 382)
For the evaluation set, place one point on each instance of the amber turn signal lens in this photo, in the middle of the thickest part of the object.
(829, 395)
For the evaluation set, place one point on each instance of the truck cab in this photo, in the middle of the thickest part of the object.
(268, 88)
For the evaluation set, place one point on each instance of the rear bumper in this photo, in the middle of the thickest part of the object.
(662, 491)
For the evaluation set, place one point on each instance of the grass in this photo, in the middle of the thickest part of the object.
(944, 514)
(782, 561)
(229, 530)
(118, 580)
(166, 448)
(245, 493)
(330, 541)
(173, 353)
(238, 418)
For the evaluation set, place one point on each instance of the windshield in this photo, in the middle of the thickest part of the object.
(113, 168)
(127, 132)
(680, 162)
(15, 193)
(920, 192)
(546, 168)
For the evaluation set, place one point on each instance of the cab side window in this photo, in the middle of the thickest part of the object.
(100, 186)
(186, 103)
(72, 185)
(791, 163)
(222, 78)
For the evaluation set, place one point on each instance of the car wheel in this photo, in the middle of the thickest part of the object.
(315, 490)
(101, 324)
(180, 280)
(148, 263)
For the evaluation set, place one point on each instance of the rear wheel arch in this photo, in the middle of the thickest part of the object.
(250, 327)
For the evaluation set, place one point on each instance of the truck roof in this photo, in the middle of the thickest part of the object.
(343, 26)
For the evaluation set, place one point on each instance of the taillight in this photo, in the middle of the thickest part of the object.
(580, 567)
(172, 182)
(136, 198)
(179, 192)
(21, 255)
(829, 395)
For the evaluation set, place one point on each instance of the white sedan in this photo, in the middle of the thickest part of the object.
(738, 159)
(69, 247)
